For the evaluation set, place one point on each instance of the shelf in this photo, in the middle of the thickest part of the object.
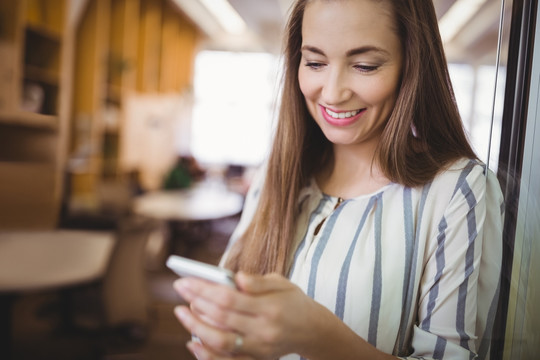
(41, 75)
(33, 111)
(30, 119)
(42, 49)
(44, 32)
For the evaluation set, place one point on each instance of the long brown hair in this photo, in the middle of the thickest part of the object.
(423, 135)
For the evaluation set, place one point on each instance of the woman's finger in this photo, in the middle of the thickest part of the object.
(219, 341)
(200, 313)
(261, 284)
(221, 317)
(224, 296)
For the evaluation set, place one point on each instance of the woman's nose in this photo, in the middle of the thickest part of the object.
(336, 88)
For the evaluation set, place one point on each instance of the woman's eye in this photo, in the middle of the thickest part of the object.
(314, 65)
(366, 68)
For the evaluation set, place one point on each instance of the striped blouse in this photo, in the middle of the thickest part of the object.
(413, 271)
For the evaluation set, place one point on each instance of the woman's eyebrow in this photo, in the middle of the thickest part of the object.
(365, 49)
(313, 49)
(352, 52)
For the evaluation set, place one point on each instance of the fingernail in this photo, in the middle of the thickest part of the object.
(181, 312)
(187, 282)
(184, 291)
(181, 284)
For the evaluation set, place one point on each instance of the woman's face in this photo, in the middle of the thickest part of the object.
(350, 68)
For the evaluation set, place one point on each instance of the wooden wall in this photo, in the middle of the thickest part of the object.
(123, 47)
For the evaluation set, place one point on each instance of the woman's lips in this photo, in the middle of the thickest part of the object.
(345, 118)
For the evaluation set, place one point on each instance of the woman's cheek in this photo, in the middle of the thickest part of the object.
(307, 84)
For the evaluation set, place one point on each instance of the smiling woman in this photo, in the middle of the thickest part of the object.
(372, 231)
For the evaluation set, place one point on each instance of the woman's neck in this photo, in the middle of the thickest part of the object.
(353, 171)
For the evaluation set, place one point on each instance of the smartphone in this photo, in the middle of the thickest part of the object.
(187, 267)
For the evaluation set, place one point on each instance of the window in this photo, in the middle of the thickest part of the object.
(234, 97)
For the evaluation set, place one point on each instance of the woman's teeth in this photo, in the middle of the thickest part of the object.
(342, 115)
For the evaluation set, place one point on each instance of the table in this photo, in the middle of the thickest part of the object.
(51, 259)
(199, 203)
(195, 207)
(37, 260)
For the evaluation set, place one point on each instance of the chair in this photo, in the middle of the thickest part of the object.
(117, 304)
(124, 286)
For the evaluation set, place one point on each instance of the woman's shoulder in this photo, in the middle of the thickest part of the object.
(467, 177)
(460, 173)
(465, 187)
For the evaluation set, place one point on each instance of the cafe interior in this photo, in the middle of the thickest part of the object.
(131, 129)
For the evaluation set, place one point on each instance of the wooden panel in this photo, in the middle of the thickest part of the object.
(188, 47)
(11, 39)
(25, 196)
(130, 45)
(8, 54)
(35, 11)
(124, 23)
(149, 49)
(47, 14)
(179, 42)
(8, 20)
(90, 67)
(86, 61)
(89, 86)
(21, 143)
(117, 35)
(169, 51)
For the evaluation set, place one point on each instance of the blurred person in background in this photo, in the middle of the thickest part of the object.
(184, 173)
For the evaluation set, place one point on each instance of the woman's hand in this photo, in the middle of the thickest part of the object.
(272, 317)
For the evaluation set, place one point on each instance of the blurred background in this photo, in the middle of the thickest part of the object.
(137, 125)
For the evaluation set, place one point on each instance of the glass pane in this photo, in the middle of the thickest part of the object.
(470, 32)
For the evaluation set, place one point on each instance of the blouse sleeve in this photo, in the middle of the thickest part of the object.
(459, 286)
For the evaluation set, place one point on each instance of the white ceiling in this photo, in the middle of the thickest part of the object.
(475, 43)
